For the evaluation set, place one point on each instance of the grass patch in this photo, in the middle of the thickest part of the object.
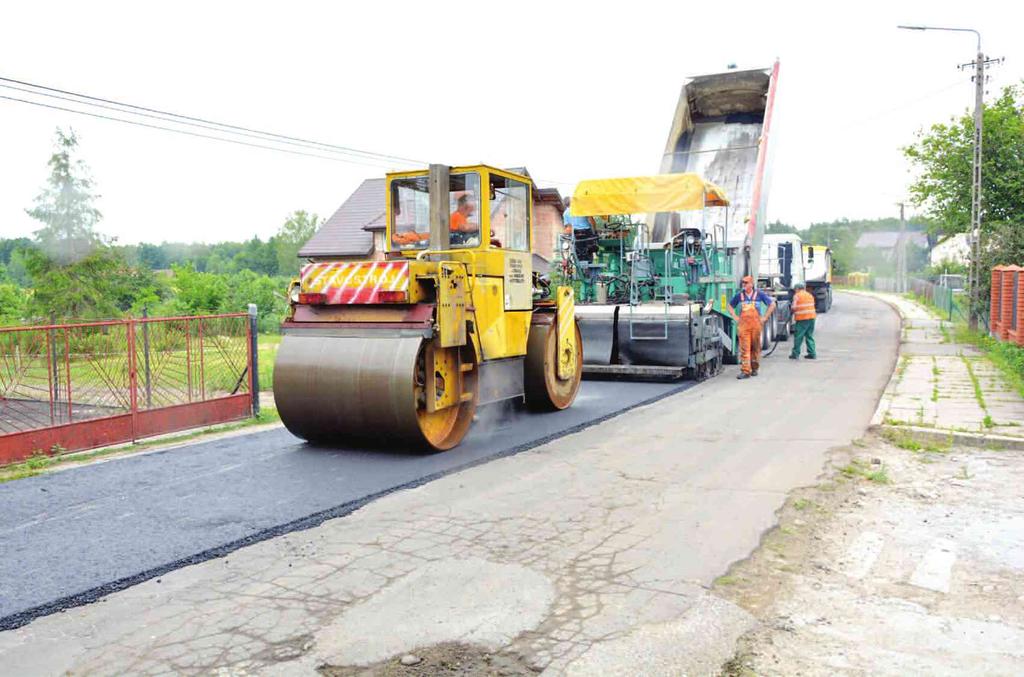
(268, 345)
(945, 333)
(803, 504)
(906, 441)
(902, 368)
(857, 468)
(727, 580)
(1007, 357)
(40, 461)
(978, 395)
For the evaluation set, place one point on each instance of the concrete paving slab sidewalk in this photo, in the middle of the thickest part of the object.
(947, 387)
(592, 554)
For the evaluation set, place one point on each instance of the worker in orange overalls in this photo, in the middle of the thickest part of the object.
(803, 313)
(751, 319)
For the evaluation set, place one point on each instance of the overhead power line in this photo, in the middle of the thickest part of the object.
(137, 114)
(188, 133)
(374, 158)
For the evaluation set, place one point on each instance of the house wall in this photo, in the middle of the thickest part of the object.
(547, 224)
(955, 249)
(379, 245)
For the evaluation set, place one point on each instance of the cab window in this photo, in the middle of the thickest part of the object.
(510, 213)
(410, 211)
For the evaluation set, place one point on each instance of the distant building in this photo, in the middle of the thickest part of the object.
(955, 248)
(887, 240)
(356, 230)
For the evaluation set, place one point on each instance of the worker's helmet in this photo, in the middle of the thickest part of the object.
(799, 285)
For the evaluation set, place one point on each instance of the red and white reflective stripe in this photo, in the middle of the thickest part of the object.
(335, 280)
(401, 279)
(366, 278)
(321, 270)
(337, 291)
(380, 280)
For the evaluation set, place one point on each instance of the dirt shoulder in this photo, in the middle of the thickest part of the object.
(907, 560)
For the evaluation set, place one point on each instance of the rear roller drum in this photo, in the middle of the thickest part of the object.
(545, 391)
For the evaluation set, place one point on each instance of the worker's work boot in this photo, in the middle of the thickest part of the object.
(743, 375)
(754, 373)
(811, 357)
(794, 357)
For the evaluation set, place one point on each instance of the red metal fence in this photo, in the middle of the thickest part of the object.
(69, 387)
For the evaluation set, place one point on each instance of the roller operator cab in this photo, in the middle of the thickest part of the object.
(402, 351)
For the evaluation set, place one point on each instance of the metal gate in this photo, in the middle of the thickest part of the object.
(68, 387)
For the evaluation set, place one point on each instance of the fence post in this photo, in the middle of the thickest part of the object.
(133, 378)
(145, 355)
(51, 347)
(254, 360)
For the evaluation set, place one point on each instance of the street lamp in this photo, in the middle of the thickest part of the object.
(979, 90)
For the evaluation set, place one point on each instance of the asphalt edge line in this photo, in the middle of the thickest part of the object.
(22, 618)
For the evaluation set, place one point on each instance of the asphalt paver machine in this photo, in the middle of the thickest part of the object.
(651, 302)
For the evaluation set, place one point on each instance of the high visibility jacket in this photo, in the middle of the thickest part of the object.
(803, 306)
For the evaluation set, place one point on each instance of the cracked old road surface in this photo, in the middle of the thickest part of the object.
(74, 533)
(592, 554)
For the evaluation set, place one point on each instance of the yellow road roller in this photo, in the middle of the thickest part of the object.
(400, 352)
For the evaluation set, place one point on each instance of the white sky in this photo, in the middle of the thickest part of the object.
(571, 90)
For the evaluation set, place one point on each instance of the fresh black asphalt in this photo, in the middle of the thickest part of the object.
(71, 537)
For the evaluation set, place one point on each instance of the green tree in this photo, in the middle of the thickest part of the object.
(266, 292)
(13, 303)
(780, 228)
(65, 205)
(96, 286)
(8, 247)
(152, 256)
(943, 157)
(197, 293)
(257, 256)
(17, 267)
(295, 232)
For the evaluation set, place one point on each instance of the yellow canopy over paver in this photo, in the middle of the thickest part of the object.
(646, 194)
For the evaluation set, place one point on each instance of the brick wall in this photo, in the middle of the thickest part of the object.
(547, 224)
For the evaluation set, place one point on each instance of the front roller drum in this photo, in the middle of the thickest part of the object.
(340, 390)
(545, 391)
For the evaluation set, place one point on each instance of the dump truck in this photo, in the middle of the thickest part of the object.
(818, 275)
(650, 258)
(781, 267)
(402, 351)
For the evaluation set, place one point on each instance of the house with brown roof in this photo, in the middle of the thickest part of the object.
(356, 230)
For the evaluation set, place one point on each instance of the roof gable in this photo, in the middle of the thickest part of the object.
(348, 231)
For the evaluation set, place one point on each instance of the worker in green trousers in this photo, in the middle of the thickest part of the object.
(803, 314)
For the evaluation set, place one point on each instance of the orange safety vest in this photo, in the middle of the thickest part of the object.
(803, 306)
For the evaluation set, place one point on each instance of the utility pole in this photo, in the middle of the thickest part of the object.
(901, 254)
(975, 241)
(979, 64)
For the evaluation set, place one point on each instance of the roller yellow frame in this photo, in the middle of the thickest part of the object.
(405, 349)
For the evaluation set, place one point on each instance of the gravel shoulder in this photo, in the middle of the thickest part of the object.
(908, 556)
